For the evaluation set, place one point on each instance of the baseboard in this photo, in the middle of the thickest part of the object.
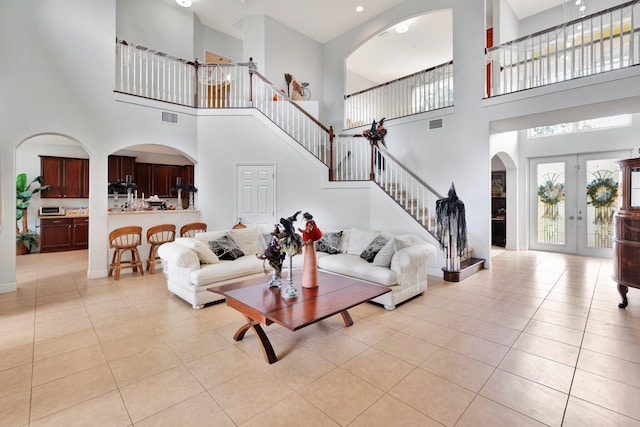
(468, 267)
(8, 287)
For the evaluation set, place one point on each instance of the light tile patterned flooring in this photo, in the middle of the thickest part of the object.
(537, 340)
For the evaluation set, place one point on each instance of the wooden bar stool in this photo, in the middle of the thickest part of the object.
(156, 236)
(189, 230)
(122, 240)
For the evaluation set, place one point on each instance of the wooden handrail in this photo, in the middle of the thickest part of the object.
(558, 27)
(290, 101)
(426, 70)
(386, 153)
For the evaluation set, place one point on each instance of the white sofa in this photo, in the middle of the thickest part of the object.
(401, 262)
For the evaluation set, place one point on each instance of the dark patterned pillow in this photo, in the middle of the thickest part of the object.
(226, 248)
(329, 242)
(374, 247)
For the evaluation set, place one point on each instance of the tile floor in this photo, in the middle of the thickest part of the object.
(537, 340)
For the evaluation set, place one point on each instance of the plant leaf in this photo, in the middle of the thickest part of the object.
(21, 182)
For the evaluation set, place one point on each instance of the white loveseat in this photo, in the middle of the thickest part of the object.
(397, 261)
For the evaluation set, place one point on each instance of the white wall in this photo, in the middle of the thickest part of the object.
(561, 14)
(207, 39)
(228, 138)
(355, 82)
(145, 22)
(507, 26)
(288, 51)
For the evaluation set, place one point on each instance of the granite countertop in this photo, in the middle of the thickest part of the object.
(62, 216)
(159, 211)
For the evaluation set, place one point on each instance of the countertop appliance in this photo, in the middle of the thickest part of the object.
(52, 211)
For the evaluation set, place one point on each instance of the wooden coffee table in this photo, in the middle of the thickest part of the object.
(260, 304)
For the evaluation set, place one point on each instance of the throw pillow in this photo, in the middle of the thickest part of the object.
(329, 242)
(226, 248)
(204, 252)
(247, 239)
(383, 258)
(359, 240)
(370, 252)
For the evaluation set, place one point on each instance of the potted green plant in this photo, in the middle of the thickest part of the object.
(26, 239)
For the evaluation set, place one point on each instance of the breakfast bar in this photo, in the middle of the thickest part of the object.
(149, 218)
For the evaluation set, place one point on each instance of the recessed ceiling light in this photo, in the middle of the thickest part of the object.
(402, 28)
(184, 3)
(578, 2)
(359, 9)
(582, 8)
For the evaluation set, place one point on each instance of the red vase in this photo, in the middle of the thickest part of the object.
(309, 266)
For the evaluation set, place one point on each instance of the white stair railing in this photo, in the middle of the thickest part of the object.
(605, 41)
(222, 86)
(425, 90)
(355, 159)
(291, 118)
(414, 195)
(151, 74)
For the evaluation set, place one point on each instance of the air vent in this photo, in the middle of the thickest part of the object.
(435, 124)
(170, 118)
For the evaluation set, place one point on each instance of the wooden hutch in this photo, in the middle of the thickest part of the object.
(626, 222)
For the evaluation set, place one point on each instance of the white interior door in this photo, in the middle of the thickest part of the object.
(256, 193)
(572, 202)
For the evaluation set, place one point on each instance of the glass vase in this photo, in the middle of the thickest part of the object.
(179, 204)
(191, 203)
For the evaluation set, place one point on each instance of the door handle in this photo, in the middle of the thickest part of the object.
(571, 217)
(579, 217)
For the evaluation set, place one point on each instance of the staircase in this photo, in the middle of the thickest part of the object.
(347, 157)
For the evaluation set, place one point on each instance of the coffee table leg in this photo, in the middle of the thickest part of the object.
(265, 345)
(348, 321)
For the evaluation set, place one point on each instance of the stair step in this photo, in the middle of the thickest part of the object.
(468, 267)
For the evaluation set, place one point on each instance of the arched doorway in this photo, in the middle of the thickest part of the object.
(63, 162)
(407, 47)
(504, 196)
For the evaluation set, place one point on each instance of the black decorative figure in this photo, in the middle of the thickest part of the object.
(451, 229)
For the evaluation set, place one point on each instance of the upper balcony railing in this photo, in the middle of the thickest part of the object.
(604, 41)
(150, 74)
(425, 90)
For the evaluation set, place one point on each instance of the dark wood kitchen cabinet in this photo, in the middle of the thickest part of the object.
(158, 179)
(64, 234)
(144, 179)
(80, 238)
(68, 177)
(120, 167)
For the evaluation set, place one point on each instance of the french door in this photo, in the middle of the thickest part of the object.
(572, 202)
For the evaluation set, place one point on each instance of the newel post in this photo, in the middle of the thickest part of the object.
(195, 95)
(372, 166)
(331, 135)
(252, 68)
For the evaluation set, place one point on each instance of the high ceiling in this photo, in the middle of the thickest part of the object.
(320, 20)
(323, 20)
